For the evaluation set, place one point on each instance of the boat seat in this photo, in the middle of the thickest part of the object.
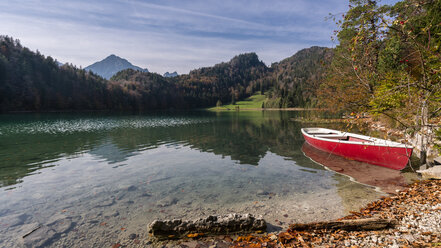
(331, 136)
(335, 137)
(343, 137)
(317, 133)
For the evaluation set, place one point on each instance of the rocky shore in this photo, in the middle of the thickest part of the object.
(415, 210)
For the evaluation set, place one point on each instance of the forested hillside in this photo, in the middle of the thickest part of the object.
(226, 82)
(201, 88)
(32, 82)
(297, 78)
(146, 90)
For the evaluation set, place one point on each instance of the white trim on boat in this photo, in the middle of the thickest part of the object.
(330, 135)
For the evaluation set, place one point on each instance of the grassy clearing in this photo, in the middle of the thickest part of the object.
(252, 102)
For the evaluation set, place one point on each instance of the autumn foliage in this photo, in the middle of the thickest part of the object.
(388, 62)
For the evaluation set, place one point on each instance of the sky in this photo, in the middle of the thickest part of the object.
(169, 35)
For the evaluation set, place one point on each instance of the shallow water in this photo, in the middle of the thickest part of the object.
(83, 180)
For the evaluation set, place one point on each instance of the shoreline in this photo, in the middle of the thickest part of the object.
(417, 210)
(110, 111)
(263, 109)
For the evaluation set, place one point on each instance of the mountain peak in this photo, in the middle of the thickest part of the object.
(113, 56)
(168, 74)
(111, 65)
(248, 59)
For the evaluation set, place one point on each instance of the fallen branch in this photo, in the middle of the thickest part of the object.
(349, 225)
(33, 230)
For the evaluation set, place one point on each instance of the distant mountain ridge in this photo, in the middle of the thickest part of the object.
(111, 65)
(32, 82)
(200, 88)
(168, 74)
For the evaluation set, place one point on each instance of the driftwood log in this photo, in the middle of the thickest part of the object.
(348, 225)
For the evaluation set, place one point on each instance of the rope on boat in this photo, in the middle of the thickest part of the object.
(410, 161)
(336, 144)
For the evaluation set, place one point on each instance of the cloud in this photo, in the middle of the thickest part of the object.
(168, 35)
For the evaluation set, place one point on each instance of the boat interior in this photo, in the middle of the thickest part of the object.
(336, 136)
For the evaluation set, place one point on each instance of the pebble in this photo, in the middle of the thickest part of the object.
(168, 201)
(262, 192)
(132, 188)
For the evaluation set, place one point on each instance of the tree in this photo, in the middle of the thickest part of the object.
(410, 65)
(388, 62)
(352, 74)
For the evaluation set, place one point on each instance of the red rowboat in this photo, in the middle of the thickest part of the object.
(358, 147)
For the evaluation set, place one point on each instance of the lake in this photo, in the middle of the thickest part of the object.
(89, 180)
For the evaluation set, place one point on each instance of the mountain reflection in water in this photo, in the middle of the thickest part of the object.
(30, 142)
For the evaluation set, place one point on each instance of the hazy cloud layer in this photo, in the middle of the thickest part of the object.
(171, 35)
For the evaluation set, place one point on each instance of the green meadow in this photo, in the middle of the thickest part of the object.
(252, 102)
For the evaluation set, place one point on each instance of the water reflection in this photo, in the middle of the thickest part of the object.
(384, 179)
(28, 142)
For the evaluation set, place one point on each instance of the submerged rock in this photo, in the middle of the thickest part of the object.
(39, 237)
(226, 224)
(44, 235)
(105, 203)
(132, 188)
(262, 192)
(14, 220)
(168, 201)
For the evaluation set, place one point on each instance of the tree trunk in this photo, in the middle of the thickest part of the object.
(349, 225)
(424, 132)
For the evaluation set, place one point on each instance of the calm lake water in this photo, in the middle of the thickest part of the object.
(88, 180)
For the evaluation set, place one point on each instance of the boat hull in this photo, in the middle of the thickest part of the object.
(391, 157)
